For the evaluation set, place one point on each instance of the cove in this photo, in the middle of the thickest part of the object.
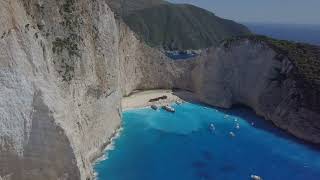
(157, 145)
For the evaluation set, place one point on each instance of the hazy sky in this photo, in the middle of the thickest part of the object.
(273, 11)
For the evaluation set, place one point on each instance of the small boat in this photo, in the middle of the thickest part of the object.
(154, 107)
(212, 127)
(255, 177)
(232, 134)
(169, 109)
(238, 126)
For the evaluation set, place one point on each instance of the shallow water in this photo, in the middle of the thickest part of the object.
(157, 145)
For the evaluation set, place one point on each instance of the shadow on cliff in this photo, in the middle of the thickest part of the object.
(187, 96)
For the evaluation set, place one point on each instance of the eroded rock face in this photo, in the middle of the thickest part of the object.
(142, 67)
(47, 152)
(252, 74)
(60, 99)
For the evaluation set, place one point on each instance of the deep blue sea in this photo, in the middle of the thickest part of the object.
(195, 143)
(293, 32)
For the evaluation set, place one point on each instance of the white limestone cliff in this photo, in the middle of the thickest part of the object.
(250, 73)
(142, 67)
(60, 101)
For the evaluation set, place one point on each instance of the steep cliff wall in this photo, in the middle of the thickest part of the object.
(254, 74)
(143, 67)
(60, 100)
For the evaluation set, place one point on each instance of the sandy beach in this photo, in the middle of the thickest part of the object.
(141, 99)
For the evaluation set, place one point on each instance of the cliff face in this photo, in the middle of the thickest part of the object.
(254, 74)
(60, 99)
(65, 65)
(143, 67)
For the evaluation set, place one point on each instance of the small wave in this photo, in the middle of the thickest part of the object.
(110, 146)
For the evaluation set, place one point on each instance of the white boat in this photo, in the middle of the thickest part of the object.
(169, 109)
(232, 134)
(154, 107)
(212, 127)
(255, 177)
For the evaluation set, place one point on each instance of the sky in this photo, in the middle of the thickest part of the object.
(265, 11)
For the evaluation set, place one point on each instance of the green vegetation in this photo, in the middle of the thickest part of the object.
(69, 44)
(305, 57)
(175, 26)
(67, 66)
(71, 20)
(126, 7)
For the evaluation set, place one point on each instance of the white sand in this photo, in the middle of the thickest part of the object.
(141, 99)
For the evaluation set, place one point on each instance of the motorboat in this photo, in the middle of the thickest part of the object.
(169, 108)
(154, 107)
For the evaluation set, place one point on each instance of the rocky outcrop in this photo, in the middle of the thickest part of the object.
(254, 74)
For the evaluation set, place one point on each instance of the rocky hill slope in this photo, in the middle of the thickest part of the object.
(175, 26)
(66, 64)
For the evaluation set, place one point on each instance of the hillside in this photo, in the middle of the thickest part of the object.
(125, 7)
(305, 57)
(175, 26)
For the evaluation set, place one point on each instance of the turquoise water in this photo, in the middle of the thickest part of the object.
(157, 145)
